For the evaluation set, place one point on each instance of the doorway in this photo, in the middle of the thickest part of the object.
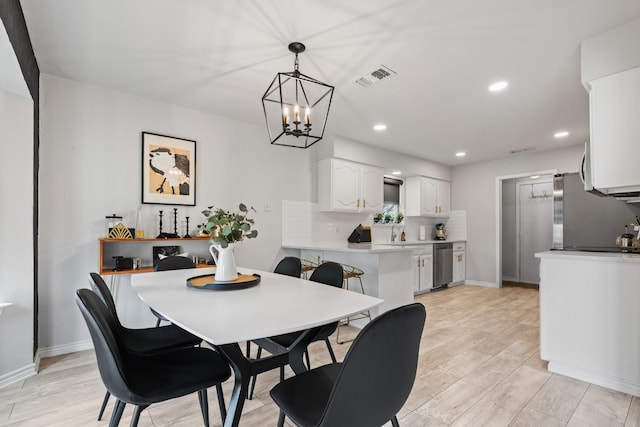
(534, 227)
(524, 225)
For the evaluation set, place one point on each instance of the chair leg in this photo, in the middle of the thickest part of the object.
(306, 356)
(252, 381)
(281, 419)
(116, 414)
(223, 408)
(394, 421)
(333, 356)
(136, 415)
(281, 373)
(104, 404)
(204, 406)
(248, 352)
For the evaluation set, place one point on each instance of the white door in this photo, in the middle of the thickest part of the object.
(535, 225)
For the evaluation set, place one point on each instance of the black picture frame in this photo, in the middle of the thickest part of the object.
(168, 170)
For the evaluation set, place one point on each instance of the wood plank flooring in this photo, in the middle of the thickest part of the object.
(479, 366)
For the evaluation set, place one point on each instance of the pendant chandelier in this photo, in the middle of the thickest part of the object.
(296, 106)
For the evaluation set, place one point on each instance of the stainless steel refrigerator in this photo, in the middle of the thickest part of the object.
(582, 220)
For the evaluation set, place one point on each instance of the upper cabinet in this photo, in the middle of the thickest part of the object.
(615, 132)
(345, 186)
(427, 197)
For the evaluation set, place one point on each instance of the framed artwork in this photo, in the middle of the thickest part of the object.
(168, 170)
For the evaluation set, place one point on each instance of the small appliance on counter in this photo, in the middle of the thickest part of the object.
(360, 235)
(441, 232)
(626, 241)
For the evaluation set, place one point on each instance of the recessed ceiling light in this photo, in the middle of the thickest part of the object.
(534, 176)
(461, 154)
(498, 86)
(396, 173)
(380, 127)
(561, 134)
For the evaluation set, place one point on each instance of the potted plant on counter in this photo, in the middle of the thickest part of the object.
(399, 218)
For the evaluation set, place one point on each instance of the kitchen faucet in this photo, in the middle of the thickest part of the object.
(393, 233)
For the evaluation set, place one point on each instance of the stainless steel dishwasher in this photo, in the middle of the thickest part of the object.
(442, 265)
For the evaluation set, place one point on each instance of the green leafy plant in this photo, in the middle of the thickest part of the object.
(387, 218)
(377, 217)
(229, 227)
(399, 218)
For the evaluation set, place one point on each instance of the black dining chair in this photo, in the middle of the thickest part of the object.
(328, 273)
(143, 380)
(141, 341)
(369, 387)
(288, 266)
(173, 262)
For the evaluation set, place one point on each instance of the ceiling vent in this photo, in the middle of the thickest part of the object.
(374, 76)
(521, 150)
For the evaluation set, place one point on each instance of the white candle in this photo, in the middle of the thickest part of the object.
(285, 115)
(307, 116)
(296, 114)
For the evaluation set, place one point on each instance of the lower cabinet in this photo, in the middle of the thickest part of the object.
(422, 269)
(458, 263)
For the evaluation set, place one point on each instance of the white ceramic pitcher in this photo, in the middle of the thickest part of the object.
(226, 270)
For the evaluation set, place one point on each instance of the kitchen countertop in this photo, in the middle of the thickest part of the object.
(591, 256)
(367, 247)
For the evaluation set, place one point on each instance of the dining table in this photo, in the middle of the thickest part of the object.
(228, 315)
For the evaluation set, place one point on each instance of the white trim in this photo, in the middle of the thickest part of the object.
(610, 382)
(63, 349)
(481, 283)
(510, 279)
(18, 375)
(498, 208)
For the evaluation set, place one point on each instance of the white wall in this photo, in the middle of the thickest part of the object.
(91, 167)
(16, 223)
(474, 189)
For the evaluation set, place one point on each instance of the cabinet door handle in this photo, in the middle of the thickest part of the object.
(423, 263)
(358, 203)
(364, 203)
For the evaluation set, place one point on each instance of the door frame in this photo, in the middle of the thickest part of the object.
(518, 207)
(498, 208)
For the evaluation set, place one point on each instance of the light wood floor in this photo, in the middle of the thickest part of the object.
(479, 366)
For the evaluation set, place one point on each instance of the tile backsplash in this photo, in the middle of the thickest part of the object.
(303, 224)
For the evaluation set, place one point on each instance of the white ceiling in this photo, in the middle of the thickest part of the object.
(220, 56)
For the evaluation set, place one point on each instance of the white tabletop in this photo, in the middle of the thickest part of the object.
(277, 305)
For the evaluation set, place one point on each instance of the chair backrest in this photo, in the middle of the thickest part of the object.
(101, 289)
(329, 273)
(379, 369)
(289, 266)
(106, 341)
(174, 262)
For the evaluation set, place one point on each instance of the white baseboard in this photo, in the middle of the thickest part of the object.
(57, 350)
(18, 375)
(608, 381)
(480, 283)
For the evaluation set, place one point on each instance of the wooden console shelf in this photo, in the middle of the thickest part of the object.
(142, 248)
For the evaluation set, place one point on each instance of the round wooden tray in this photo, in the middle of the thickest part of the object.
(208, 281)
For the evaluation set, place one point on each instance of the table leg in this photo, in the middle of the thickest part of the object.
(242, 373)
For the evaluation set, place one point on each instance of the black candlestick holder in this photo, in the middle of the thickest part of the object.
(163, 235)
(186, 234)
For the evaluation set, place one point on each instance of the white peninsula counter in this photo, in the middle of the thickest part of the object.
(590, 317)
(387, 269)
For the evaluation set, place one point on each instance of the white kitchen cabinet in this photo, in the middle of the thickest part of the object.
(427, 197)
(615, 144)
(459, 272)
(345, 186)
(422, 269)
